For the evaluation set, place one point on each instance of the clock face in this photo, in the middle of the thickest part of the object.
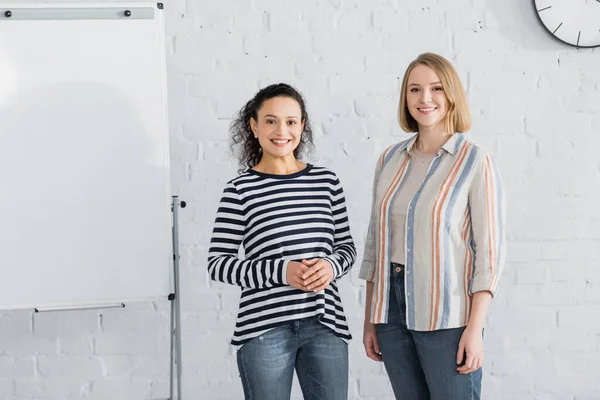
(575, 22)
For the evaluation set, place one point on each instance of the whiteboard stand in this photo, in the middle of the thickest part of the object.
(87, 84)
(175, 372)
(174, 298)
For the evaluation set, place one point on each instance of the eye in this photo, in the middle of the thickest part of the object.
(270, 121)
(291, 122)
(438, 89)
(414, 90)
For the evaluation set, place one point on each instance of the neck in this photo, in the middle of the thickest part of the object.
(430, 141)
(278, 166)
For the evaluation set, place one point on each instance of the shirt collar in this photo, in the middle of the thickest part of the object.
(451, 146)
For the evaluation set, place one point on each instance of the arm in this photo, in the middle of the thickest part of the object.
(367, 272)
(471, 341)
(228, 233)
(344, 250)
(367, 269)
(487, 203)
(369, 332)
(324, 270)
(487, 207)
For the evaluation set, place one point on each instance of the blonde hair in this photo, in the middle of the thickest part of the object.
(458, 116)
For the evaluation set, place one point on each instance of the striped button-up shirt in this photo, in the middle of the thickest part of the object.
(455, 240)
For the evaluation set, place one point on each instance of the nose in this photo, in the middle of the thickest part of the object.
(279, 127)
(425, 96)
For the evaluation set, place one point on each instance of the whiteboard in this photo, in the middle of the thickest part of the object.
(85, 205)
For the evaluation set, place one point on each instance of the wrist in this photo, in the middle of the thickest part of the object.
(474, 327)
(330, 263)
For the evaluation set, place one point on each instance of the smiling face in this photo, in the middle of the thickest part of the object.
(278, 127)
(425, 99)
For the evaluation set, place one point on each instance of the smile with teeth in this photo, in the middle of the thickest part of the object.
(281, 141)
(427, 110)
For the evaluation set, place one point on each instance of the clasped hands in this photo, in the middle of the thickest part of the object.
(309, 275)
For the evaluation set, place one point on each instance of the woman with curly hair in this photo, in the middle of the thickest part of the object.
(290, 219)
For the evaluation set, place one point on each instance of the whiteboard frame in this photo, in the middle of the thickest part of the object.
(160, 20)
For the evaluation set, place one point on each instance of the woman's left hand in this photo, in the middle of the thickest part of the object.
(319, 275)
(471, 347)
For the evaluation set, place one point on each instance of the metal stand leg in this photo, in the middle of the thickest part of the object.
(175, 372)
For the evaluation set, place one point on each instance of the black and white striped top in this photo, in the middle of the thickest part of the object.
(277, 219)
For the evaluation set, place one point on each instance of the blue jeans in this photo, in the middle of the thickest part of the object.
(267, 362)
(422, 365)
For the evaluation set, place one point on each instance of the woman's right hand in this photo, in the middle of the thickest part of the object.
(294, 273)
(371, 343)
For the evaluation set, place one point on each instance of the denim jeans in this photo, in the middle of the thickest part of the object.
(266, 363)
(422, 365)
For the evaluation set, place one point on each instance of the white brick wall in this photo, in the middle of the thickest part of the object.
(535, 105)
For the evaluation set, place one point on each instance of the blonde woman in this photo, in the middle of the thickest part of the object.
(435, 245)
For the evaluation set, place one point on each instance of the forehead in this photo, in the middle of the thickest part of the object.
(280, 106)
(422, 74)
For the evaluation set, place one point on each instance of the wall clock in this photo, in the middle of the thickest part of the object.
(574, 22)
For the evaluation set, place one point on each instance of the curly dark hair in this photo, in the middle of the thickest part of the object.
(243, 143)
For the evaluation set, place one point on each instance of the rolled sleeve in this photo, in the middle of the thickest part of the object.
(368, 266)
(487, 203)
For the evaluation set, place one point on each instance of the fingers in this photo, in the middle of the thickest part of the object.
(297, 283)
(294, 275)
(372, 348)
(314, 278)
(315, 267)
(322, 286)
(320, 281)
(317, 279)
(311, 262)
(471, 365)
(460, 353)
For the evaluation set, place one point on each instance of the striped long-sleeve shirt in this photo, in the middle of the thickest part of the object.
(277, 219)
(454, 236)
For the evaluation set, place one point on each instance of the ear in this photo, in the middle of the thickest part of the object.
(253, 126)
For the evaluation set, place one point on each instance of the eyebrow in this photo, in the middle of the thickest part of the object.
(416, 84)
(275, 116)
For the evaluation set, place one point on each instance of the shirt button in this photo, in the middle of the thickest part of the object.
(407, 294)
(408, 250)
(398, 269)
(408, 228)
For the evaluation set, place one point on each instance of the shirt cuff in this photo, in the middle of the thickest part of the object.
(484, 282)
(284, 267)
(366, 271)
(337, 270)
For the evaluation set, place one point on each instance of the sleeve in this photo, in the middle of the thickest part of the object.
(367, 268)
(487, 207)
(344, 250)
(228, 233)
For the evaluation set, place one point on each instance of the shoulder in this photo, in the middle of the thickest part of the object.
(478, 158)
(319, 170)
(394, 149)
(478, 152)
(242, 180)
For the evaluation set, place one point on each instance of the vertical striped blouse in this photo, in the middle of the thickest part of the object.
(454, 234)
(277, 219)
